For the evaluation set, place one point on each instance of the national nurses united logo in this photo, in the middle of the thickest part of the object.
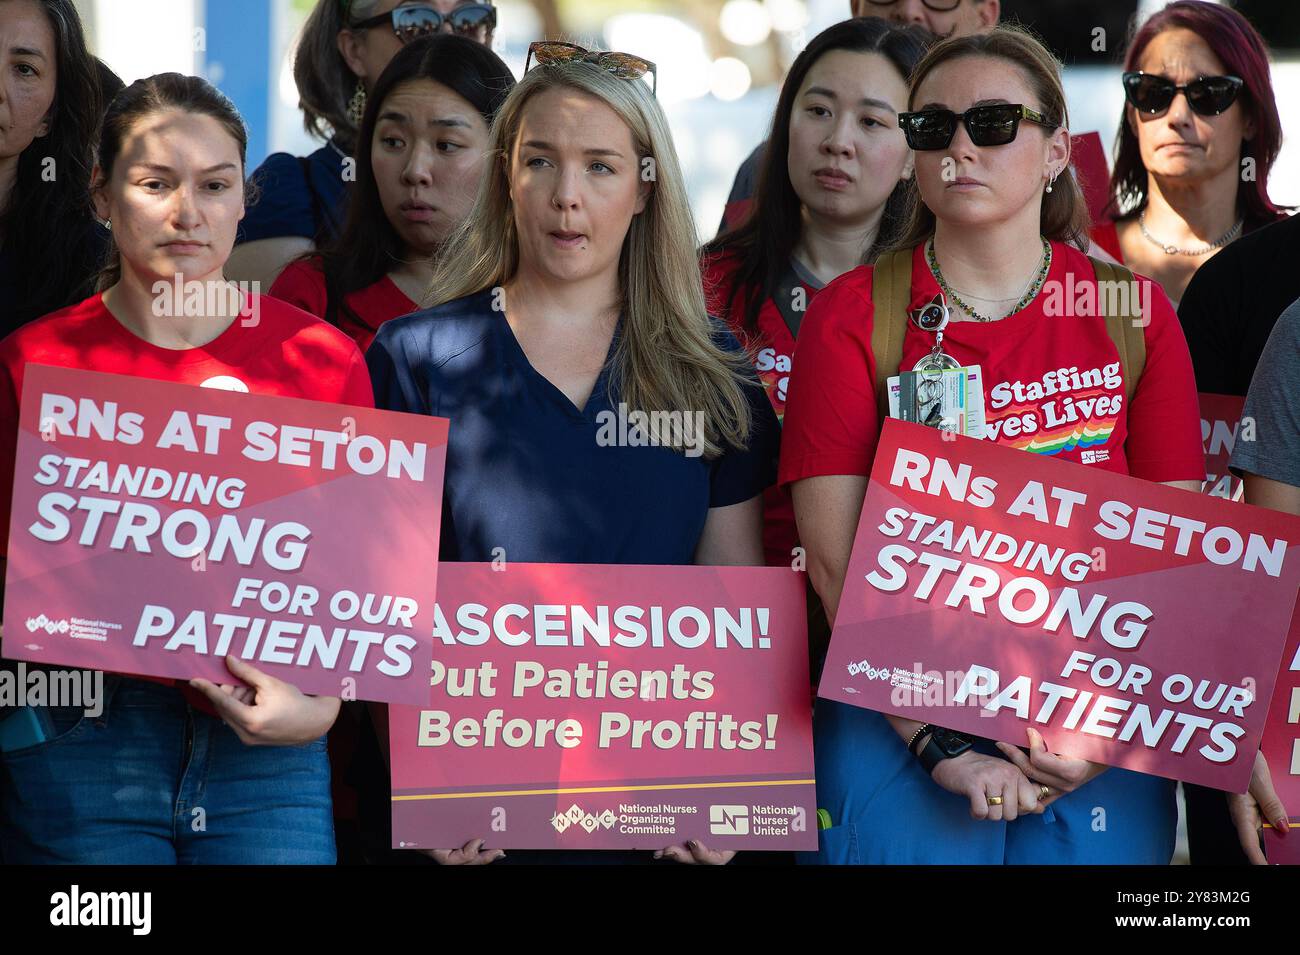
(590, 822)
(1066, 410)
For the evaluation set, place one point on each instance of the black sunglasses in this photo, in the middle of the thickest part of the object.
(939, 6)
(994, 125)
(623, 65)
(1207, 96)
(415, 21)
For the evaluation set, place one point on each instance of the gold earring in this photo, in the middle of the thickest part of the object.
(357, 105)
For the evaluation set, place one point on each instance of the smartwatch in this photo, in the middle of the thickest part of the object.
(943, 744)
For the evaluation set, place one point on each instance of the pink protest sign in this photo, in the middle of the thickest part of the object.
(604, 707)
(1221, 429)
(157, 527)
(1131, 623)
(1281, 747)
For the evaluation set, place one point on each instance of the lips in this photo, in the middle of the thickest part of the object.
(832, 177)
(416, 211)
(184, 246)
(964, 182)
(567, 239)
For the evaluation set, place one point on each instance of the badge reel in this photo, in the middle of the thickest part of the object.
(933, 318)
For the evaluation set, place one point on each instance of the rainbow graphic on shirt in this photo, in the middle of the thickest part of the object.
(1068, 437)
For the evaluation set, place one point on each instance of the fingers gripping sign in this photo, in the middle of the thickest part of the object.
(266, 711)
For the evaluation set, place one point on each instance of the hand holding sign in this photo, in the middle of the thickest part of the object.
(268, 712)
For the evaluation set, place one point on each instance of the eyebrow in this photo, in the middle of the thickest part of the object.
(595, 151)
(865, 101)
(449, 121)
(996, 101)
(26, 51)
(162, 167)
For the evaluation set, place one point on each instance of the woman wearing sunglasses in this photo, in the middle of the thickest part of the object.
(571, 293)
(344, 46)
(1199, 136)
(999, 223)
(427, 129)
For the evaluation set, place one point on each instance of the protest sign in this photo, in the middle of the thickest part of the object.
(1221, 429)
(601, 707)
(1130, 623)
(1281, 747)
(158, 527)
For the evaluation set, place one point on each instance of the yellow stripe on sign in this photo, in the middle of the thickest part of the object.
(609, 789)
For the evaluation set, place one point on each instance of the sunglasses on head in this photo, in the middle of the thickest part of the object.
(1207, 96)
(410, 22)
(994, 125)
(623, 65)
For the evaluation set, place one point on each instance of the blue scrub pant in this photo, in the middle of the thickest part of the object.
(886, 811)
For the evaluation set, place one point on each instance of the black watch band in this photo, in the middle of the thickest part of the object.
(943, 744)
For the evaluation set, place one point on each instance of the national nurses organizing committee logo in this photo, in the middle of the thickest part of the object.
(49, 626)
(590, 822)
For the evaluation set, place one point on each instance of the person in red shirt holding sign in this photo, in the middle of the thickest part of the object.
(833, 194)
(170, 182)
(427, 129)
(995, 240)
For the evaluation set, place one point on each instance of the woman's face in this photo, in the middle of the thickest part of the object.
(427, 154)
(29, 56)
(175, 197)
(575, 184)
(985, 185)
(1178, 143)
(367, 52)
(846, 150)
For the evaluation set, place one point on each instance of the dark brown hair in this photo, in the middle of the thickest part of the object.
(1064, 209)
(154, 94)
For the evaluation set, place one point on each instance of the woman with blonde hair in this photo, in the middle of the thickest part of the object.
(570, 298)
(998, 224)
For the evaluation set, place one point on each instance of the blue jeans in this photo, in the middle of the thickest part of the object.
(153, 781)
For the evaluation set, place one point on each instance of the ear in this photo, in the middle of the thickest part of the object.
(97, 195)
(1058, 151)
(909, 167)
(1248, 129)
(1131, 117)
(349, 46)
(989, 11)
(643, 195)
(47, 123)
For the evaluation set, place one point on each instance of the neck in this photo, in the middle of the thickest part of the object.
(1192, 213)
(414, 273)
(829, 249)
(994, 261)
(587, 302)
(174, 313)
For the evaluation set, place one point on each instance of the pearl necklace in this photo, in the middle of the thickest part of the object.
(1035, 284)
(1175, 250)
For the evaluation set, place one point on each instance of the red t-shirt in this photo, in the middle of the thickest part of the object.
(771, 346)
(302, 284)
(1052, 382)
(287, 352)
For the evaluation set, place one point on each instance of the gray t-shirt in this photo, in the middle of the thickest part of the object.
(1273, 405)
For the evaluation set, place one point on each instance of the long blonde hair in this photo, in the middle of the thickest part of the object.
(666, 359)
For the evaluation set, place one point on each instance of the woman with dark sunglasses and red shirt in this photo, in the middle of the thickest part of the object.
(344, 47)
(998, 227)
(1198, 138)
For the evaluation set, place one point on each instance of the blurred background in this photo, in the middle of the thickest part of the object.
(720, 62)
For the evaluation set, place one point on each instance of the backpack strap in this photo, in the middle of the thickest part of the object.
(1125, 323)
(891, 290)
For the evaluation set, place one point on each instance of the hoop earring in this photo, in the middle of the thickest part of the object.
(357, 105)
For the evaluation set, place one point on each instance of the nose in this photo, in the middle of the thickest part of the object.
(1180, 111)
(961, 148)
(566, 194)
(839, 139)
(908, 11)
(418, 170)
(185, 210)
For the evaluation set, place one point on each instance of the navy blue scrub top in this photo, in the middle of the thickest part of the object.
(524, 469)
(302, 196)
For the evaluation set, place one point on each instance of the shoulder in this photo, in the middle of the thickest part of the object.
(439, 334)
(292, 328)
(66, 325)
(850, 292)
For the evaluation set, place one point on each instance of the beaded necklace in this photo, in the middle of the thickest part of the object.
(1035, 283)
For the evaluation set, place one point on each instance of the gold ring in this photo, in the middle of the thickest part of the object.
(995, 800)
(1044, 791)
